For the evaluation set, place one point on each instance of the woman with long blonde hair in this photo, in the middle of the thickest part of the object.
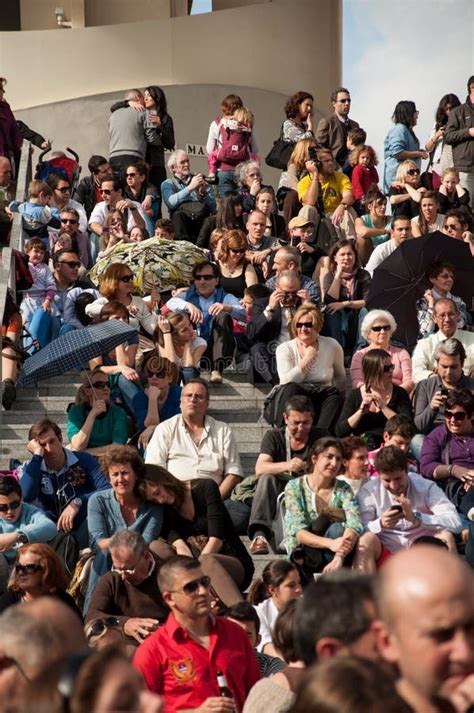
(287, 188)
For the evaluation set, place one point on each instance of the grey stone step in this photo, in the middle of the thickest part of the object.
(32, 402)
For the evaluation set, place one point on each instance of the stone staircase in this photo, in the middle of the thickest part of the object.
(235, 401)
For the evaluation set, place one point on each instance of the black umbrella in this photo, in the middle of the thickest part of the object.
(73, 348)
(399, 281)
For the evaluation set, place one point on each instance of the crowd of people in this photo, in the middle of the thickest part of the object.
(121, 538)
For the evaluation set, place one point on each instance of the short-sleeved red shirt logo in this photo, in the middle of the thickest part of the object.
(183, 670)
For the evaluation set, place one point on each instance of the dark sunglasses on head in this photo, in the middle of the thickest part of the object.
(100, 626)
(72, 221)
(31, 568)
(101, 385)
(413, 172)
(106, 191)
(457, 415)
(193, 586)
(64, 190)
(70, 263)
(204, 277)
(7, 507)
(304, 325)
(126, 278)
(381, 328)
(388, 367)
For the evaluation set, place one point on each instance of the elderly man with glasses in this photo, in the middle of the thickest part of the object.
(196, 661)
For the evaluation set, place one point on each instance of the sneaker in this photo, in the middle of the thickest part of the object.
(8, 393)
(259, 546)
(216, 377)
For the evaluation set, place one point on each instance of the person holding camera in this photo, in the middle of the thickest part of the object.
(189, 198)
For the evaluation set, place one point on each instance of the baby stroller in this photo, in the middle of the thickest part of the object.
(67, 168)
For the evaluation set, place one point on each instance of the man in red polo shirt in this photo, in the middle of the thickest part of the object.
(180, 660)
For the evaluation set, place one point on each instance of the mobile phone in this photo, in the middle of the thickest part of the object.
(396, 508)
(444, 391)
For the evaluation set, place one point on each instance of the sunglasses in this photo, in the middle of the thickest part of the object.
(130, 175)
(105, 191)
(387, 368)
(193, 586)
(382, 328)
(101, 385)
(456, 415)
(451, 226)
(64, 190)
(158, 374)
(32, 568)
(70, 263)
(286, 295)
(100, 626)
(413, 172)
(208, 278)
(304, 325)
(237, 252)
(8, 507)
(126, 278)
(72, 221)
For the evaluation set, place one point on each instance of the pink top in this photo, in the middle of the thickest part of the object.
(400, 359)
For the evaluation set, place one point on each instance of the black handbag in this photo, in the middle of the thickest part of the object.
(280, 153)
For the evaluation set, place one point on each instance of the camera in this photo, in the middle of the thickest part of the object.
(313, 156)
(444, 391)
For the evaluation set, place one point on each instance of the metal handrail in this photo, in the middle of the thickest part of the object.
(7, 263)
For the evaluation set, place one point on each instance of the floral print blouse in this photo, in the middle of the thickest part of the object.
(300, 503)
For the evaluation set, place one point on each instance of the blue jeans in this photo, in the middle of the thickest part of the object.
(226, 182)
(344, 327)
(44, 327)
(135, 399)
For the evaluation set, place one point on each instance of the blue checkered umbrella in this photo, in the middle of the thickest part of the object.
(73, 348)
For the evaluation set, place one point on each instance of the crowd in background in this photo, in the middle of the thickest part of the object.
(132, 519)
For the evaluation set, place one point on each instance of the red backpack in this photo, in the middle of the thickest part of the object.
(234, 146)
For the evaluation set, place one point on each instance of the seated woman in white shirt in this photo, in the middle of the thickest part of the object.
(310, 365)
(430, 219)
(279, 584)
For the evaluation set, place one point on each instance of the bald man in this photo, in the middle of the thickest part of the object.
(426, 628)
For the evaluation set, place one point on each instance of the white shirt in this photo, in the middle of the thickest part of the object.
(423, 361)
(326, 370)
(102, 209)
(216, 456)
(426, 498)
(379, 254)
(267, 613)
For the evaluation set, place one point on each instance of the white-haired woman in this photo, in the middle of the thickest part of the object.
(377, 329)
(248, 177)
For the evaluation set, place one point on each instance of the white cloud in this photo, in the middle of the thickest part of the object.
(409, 49)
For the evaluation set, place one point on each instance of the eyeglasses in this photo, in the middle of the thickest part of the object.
(121, 570)
(237, 252)
(7, 507)
(130, 175)
(64, 190)
(413, 172)
(381, 328)
(31, 568)
(304, 325)
(344, 101)
(158, 374)
(451, 226)
(72, 221)
(101, 385)
(106, 191)
(388, 368)
(126, 278)
(70, 263)
(100, 626)
(289, 294)
(193, 586)
(207, 278)
(456, 415)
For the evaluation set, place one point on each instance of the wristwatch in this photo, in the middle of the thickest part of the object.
(417, 515)
(77, 502)
(22, 538)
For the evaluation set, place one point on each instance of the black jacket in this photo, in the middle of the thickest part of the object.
(85, 194)
(461, 119)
